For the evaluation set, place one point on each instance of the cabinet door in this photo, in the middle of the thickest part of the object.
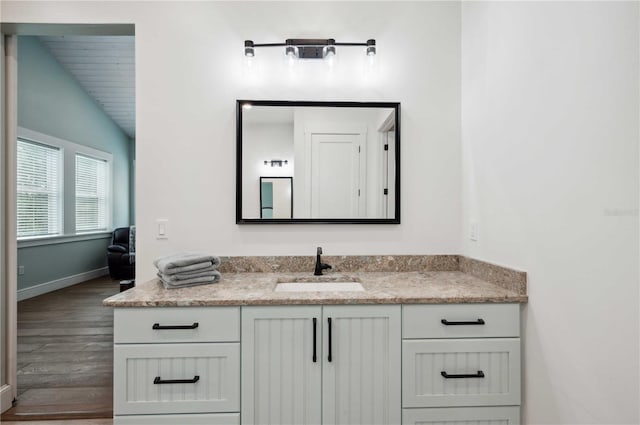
(361, 378)
(281, 383)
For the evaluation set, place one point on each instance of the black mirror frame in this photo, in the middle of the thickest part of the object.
(288, 103)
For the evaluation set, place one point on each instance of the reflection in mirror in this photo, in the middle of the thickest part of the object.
(340, 160)
(275, 197)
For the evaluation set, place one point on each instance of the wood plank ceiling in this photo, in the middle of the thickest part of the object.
(105, 67)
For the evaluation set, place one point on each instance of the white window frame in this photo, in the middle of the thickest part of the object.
(107, 200)
(60, 178)
(68, 152)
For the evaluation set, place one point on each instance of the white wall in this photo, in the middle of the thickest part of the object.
(550, 146)
(263, 142)
(189, 72)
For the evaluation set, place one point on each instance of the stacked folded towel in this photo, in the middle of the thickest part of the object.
(187, 269)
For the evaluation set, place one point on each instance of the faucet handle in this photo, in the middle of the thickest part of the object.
(319, 250)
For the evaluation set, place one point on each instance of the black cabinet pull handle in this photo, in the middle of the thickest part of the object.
(469, 322)
(480, 374)
(158, 326)
(159, 380)
(315, 324)
(329, 357)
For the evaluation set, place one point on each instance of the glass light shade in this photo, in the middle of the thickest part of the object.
(329, 51)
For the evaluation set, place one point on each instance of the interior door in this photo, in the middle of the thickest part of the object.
(336, 187)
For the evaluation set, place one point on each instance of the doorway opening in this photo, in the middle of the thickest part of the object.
(73, 143)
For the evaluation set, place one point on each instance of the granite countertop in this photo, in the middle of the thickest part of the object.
(414, 287)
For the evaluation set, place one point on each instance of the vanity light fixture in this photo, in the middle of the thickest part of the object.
(277, 162)
(309, 48)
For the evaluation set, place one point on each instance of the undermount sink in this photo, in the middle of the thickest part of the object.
(318, 284)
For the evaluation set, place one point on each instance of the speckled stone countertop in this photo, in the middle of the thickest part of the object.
(413, 287)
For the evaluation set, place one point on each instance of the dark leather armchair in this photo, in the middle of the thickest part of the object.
(121, 254)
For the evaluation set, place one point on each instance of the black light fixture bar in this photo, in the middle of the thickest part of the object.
(309, 48)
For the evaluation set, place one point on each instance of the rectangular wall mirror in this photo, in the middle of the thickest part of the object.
(317, 162)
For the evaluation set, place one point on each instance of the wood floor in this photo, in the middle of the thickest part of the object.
(65, 355)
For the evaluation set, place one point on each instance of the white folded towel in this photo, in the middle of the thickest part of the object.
(189, 275)
(202, 280)
(186, 262)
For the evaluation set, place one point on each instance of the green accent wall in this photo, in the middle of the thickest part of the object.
(51, 101)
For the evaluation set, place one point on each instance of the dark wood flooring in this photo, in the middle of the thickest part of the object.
(65, 354)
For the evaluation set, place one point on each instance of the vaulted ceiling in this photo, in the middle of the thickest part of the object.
(105, 67)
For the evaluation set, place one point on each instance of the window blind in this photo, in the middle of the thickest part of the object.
(91, 194)
(39, 190)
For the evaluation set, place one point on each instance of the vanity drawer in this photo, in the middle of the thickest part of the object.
(210, 375)
(462, 416)
(460, 321)
(198, 419)
(465, 372)
(176, 324)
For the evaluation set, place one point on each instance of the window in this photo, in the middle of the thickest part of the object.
(91, 194)
(64, 188)
(39, 192)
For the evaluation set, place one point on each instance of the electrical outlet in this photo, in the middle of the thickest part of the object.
(473, 230)
(20, 270)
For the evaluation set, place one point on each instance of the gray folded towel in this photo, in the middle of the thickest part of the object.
(189, 275)
(185, 262)
(202, 280)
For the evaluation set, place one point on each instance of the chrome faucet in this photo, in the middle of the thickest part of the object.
(319, 265)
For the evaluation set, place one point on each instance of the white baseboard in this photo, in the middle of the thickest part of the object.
(54, 285)
(6, 398)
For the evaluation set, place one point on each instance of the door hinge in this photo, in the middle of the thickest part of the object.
(386, 147)
(358, 192)
(358, 149)
(386, 191)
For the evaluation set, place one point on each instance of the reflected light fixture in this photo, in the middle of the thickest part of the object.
(276, 162)
(309, 48)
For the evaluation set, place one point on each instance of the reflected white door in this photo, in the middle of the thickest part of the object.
(335, 175)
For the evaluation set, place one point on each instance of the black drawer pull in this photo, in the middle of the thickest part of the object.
(158, 326)
(480, 374)
(315, 326)
(329, 357)
(159, 380)
(474, 322)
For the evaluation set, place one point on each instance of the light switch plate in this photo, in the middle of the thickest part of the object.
(162, 228)
(473, 230)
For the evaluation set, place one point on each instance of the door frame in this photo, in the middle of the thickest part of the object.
(389, 124)
(9, 249)
(9, 33)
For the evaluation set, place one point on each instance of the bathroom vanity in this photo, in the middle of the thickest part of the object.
(410, 347)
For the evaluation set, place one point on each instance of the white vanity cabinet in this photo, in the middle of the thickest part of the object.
(321, 364)
(318, 364)
(177, 365)
(461, 364)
